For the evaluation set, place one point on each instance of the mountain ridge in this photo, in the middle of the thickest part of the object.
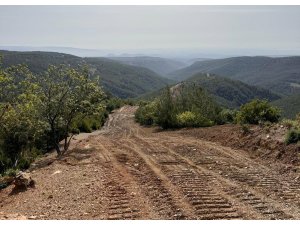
(123, 81)
(277, 74)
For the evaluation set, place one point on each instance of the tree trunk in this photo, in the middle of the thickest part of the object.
(57, 148)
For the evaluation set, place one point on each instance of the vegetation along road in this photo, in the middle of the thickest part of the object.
(126, 171)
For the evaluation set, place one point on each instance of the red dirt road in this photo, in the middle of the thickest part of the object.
(126, 171)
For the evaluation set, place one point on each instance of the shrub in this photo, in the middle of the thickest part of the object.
(289, 123)
(166, 110)
(258, 111)
(24, 163)
(84, 126)
(298, 119)
(182, 105)
(293, 136)
(11, 172)
(227, 116)
(192, 119)
(146, 113)
(245, 129)
(186, 119)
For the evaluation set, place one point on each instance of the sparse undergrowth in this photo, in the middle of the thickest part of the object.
(293, 135)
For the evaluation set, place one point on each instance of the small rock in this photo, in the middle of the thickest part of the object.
(56, 172)
(23, 180)
(32, 217)
(50, 196)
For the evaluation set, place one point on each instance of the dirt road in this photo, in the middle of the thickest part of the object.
(126, 171)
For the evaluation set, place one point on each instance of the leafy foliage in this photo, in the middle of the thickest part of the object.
(20, 125)
(192, 119)
(67, 94)
(258, 111)
(38, 112)
(293, 136)
(227, 116)
(146, 113)
(180, 106)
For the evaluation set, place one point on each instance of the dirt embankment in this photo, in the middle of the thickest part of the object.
(266, 143)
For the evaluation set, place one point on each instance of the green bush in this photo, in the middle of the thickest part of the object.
(181, 106)
(258, 111)
(24, 163)
(146, 113)
(289, 123)
(227, 116)
(11, 172)
(186, 119)
(298, 120)
(293, 136)
(84, 126)
(191, 119)
(245, 129)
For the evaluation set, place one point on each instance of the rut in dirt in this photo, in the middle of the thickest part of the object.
(187, 178)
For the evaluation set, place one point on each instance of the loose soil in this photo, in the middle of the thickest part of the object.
(125, 171)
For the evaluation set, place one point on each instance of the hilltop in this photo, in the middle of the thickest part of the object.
(227, 92)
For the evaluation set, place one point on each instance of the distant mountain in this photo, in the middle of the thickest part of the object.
(67, 50)
(281, 74)
(159, 65)
(290, 105)
(227, 92)
(121, 80)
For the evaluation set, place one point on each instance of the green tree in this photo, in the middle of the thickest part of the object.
(166, 110)
(20, 126)
(258, 111)
(68, 94)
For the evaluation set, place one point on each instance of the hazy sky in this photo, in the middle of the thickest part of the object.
(221, 28)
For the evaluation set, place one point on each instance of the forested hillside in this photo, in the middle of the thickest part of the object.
(121, 80)
(290, 105)
(281, 75)
(227, 92)
(126, 81)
